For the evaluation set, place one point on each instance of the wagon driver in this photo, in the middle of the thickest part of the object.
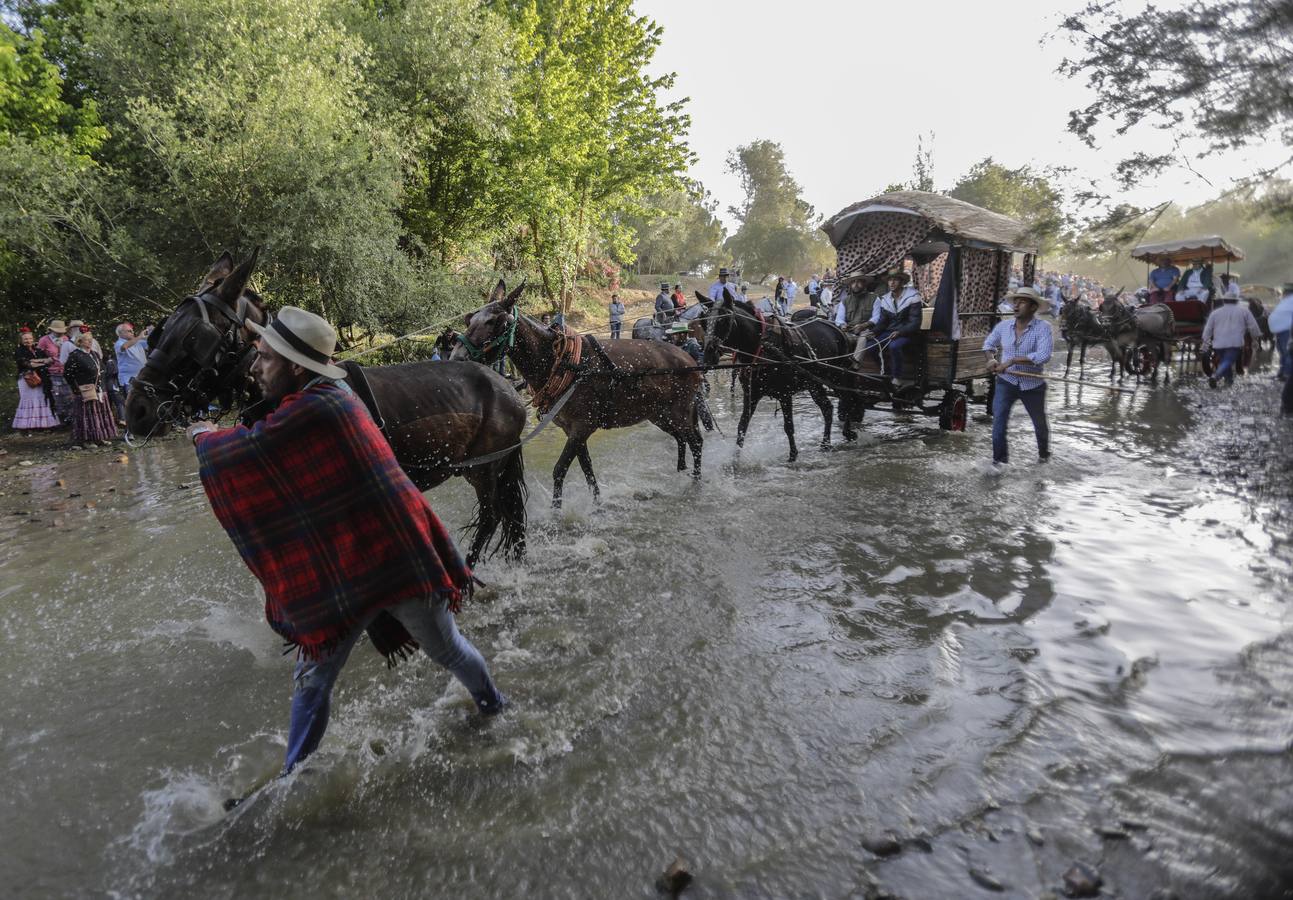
(1015, 347)
(340, 538)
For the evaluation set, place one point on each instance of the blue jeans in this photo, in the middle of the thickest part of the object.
(1226, 368)
(1034, 399)
(893, 351)
(1286, 358)
(432, 626)
(615, 331)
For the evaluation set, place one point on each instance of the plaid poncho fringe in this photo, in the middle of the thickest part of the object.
(324, 516)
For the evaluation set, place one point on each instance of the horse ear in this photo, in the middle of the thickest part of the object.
(499, 293)
(703, 299)
(231, 287)
(219, 269)
(514, 296)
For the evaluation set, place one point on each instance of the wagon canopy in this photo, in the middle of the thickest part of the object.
(1213, 249)
(946, 218)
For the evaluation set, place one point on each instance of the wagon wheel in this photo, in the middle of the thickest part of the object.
(953, 412)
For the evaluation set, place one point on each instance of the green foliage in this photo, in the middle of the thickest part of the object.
(390, 156)
(589, 138)
(678, 232)
(1022, 194)
(778, 229)
(1215, 70)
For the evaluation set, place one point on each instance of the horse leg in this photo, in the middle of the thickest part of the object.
(823, 401)
(567, 456)
(696, 440)
(788, 423)
(749, 400)
(1068, 360)
(682, 454)
(586, 463)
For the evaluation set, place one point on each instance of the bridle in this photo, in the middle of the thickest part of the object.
(218, 354)
(493, 347)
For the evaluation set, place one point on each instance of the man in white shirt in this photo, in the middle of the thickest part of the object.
(1225, 331)
(825, 298)
(1281, 322)
(716, 289)
(791, 290)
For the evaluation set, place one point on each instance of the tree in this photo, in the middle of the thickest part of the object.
(1022, 194)
(778, 229)
(589, 139)
(678, 232)
(1215, 70)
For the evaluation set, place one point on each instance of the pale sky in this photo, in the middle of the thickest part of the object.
(846, 88)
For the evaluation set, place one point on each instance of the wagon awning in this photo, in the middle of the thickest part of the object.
(1213, 248)
(954, 218)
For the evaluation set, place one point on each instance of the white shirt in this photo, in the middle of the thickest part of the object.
(1281, 317)
(827, 296)
(1227, 324)
(716, 290)
(791, 290)
(1232, 290)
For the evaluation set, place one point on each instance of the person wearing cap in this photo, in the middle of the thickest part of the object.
(342, 541)
(1017, 346)
(1224, 331)
(92, 421)
(616, 310)
(716, 289)
(679, 333)
(60, 395)
(1281, 324)
(663, 305)
(895, 318)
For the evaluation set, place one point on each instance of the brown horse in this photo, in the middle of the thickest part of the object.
(617, 384)
(436, 415)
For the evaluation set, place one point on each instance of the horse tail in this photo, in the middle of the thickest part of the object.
(702, 410)
(509, 504)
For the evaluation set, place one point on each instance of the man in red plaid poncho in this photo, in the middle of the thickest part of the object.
(340, 538)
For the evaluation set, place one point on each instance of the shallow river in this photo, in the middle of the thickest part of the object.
(757, 673)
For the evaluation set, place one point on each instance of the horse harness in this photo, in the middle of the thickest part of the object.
(212, 348)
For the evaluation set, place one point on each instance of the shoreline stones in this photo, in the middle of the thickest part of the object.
(1082, 880)
(674, 880)
(883, 844)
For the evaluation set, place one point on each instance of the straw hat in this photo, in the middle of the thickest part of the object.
(304, 338)
(1027, 293)
(57, 326)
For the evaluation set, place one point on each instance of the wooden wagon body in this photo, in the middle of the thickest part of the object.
(960, 258)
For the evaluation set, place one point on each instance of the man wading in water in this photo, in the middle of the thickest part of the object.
(338, 535)
(1025, 345)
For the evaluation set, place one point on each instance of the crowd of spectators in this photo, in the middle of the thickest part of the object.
(66, 381)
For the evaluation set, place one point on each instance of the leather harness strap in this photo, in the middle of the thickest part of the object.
(569, 348)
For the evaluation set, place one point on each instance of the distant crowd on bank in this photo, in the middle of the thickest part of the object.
(67, 381)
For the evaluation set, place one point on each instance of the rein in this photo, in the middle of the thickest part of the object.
(568, 349)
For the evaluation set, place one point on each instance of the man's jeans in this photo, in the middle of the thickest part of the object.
(1034, 399)
(615, 331)
(432, 626)
(1286, 357)
(1226, 368)
(893, 351)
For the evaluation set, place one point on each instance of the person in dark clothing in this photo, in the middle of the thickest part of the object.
(664, 310)
(895, 319)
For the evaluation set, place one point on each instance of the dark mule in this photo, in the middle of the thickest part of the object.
(1082, 328)
(781, 361)
(1144, 334)
(611, 390)
(437, 414)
